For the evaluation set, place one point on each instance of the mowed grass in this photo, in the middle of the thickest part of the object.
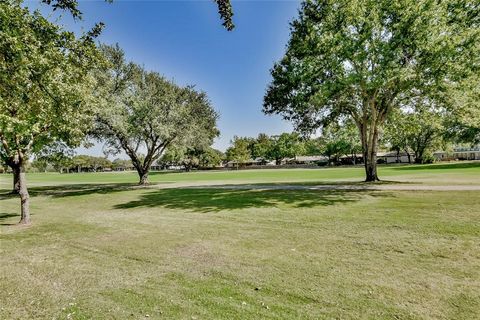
(118, 252)
(449, 173)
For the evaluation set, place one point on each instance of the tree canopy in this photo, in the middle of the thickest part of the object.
(142, 112)
(46, 85)
(362, 59)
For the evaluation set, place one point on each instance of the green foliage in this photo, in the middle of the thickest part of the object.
(121, 164)
(362, 59)
(338, 140)
(286, 145)
(240, 151)
(261, 146)
(46, 83)
(141, 111)
(191, 157)
(420, 132)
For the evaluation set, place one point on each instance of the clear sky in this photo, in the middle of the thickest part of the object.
(185, 41)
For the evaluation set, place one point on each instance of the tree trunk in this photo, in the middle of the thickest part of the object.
(16, 179)
(24, 197)
(409, 157)
(143, 174)
(369, 145)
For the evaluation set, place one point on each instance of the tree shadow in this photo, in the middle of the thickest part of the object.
(6, 216)
(72, 190)
(457, 165)
(205, 200)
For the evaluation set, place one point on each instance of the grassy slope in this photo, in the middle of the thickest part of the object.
(112, 253)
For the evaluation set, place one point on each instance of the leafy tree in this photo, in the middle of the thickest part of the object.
(261, 146)
(193, 157)
(40, 164)
(211, 157)
(362, 59)
(313, 146)
(418, 132)
(339, 140)
(45, 92)
(121, 164)
(239, 151)
(143, 112)
(286, 145)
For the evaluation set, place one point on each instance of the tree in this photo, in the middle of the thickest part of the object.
(361, 59)
(121, 164)
(141, 111)
(239, 152)
(313, 146)
(224, 9)
(261, 146)
(418, 131)
(45, 92)
(191, 157)
(211, 157)
(286, 145)
(339, 140)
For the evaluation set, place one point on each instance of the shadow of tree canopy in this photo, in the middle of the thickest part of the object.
(205, 200)
(5, 216)
(72, 190)
(458, 165)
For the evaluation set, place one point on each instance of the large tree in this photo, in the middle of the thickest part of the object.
(142, 113)
(45, 89)
(362, 59)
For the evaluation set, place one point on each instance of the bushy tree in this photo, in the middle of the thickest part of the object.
(286, 145)
(45, 88)
(239, 150)
(121, 164)
(261, 146)
(362, 59)
(418, 132)
(340, 139)
(142, 112)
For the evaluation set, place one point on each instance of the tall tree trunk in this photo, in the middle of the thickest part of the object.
(369, 145)
(24, 197)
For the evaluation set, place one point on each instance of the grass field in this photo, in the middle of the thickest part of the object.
(114, 251)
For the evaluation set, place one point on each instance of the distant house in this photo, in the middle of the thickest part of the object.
(249, 163)
(459, 153)
(394, 157)
(309, 159)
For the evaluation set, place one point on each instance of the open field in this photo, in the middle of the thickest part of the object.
(115, 251)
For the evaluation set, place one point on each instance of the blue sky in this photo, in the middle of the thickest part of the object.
(185, 41)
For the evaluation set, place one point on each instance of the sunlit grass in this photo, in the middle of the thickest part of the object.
(116, 251)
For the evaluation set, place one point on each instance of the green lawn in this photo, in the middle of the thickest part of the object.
(451, 173)
(117, 252)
